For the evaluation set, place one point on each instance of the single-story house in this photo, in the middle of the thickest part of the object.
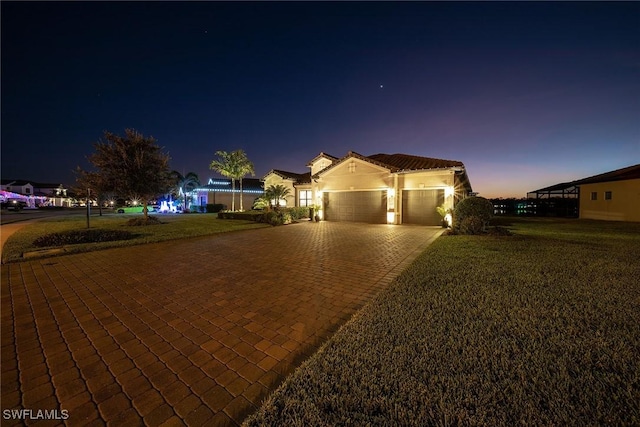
(613, 196)
(379, 189)
(220, 191)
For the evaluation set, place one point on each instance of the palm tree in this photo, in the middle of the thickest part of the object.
(234, 165)
(185, 184)
(275, 193)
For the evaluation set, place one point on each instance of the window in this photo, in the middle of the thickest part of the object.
(27, 190)
(607, 195)
(594, 195)
(305, 198)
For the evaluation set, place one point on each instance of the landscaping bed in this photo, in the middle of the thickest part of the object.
(110, 231)
(538, 328)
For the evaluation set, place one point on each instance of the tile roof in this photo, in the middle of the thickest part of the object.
(298, 178)
(400, 162)
(322, 154)
(216, 184)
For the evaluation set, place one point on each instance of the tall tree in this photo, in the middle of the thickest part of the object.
(234, 165)
(185, 184)
(132, 165)
(90, 185)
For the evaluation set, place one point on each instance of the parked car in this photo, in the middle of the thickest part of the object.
(14, 204)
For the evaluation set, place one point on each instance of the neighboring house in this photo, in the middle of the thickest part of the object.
(219, 191)
(611, 196)
(37, 194)
(379, 189)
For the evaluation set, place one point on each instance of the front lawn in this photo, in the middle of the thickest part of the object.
(539, 328)
(173, 227)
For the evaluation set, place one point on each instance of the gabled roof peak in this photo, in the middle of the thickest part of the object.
(298, 178)
(322, 154)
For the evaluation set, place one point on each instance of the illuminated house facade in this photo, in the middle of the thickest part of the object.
(36, 194)
(378, 189)
(218, 191)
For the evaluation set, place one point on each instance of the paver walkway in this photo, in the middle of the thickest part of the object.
(193, 332)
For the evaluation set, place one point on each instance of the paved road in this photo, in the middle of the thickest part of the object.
(193, 332)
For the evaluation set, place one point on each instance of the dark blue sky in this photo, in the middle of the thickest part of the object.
(525, 94)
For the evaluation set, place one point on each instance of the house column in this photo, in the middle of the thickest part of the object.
(398, 200)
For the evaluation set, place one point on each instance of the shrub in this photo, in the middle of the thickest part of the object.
(247, 216)
(298, 212)
(471, 225)
(478, 207)
(214, 208)
(260, 203)
(138, 222)
(273, 218)
(72, 237)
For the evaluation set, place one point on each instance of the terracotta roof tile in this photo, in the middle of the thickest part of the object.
(399, 162)
(298, 178)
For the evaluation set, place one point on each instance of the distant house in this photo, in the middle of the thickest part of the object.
(379, 189)
(37, 193)
(219, 191)
(611, 196)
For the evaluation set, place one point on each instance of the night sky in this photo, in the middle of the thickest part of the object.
(525, 94)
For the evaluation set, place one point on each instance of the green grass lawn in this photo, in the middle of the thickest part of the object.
(539, 328)
(173, 227)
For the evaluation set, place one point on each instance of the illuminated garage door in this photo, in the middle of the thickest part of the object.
(419, 206)
(356, 206)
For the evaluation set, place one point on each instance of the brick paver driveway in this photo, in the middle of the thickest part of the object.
(192, 332)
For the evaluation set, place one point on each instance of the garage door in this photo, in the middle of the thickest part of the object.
(356, 206)
(419, 206)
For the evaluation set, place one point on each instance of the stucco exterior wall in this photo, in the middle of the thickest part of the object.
(426, 180)
(273, 179)
(320, 164)
(225, 199)
(623, 206)
(355, 174)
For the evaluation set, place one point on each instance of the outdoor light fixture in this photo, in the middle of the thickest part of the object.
(448, 191)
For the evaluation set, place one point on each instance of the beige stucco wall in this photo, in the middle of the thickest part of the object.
(366, 176)
(426, 180)
(225, 199)
(319, 164)
(274, 179)
(362, 176)
(623, 206)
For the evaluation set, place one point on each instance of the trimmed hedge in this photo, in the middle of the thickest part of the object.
(72, 237)
(137, 222)
(214, 208)
(247, 216)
